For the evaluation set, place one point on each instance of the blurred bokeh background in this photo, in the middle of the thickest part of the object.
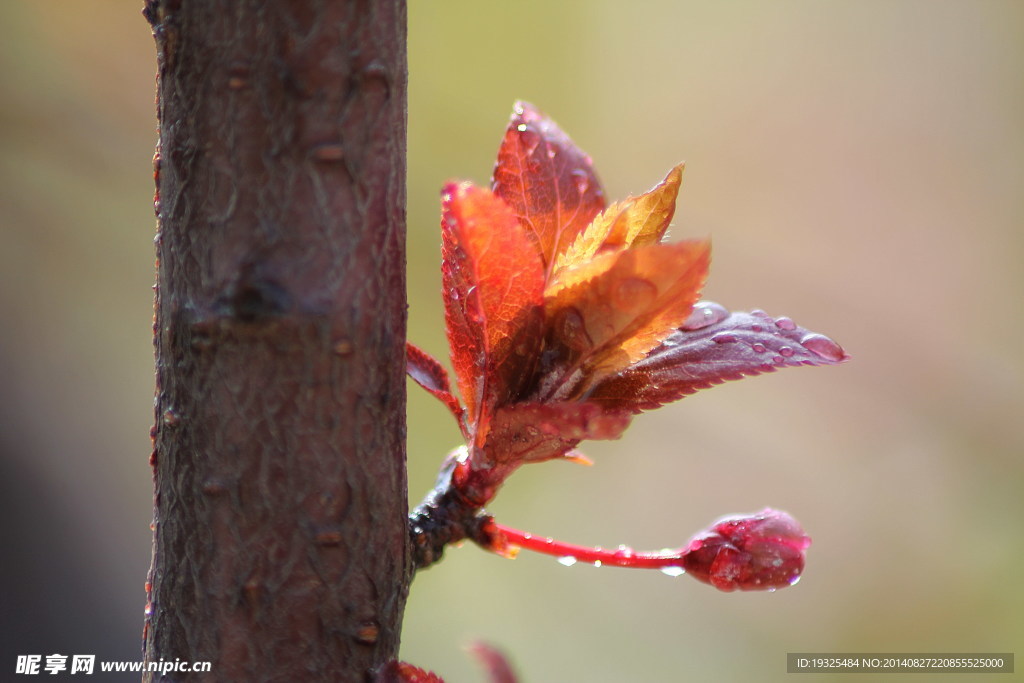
(859, 167)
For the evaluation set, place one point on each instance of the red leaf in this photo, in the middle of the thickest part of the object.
(426, 371)
(711, 347)
(493, 280)
(547, 180)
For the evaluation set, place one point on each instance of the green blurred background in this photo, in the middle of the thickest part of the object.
(859, 166)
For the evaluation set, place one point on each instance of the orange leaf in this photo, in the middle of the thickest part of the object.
(547, 180)
(492, 278)
(633, 222)
(609, 312)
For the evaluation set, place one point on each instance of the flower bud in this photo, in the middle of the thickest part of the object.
(763, 551)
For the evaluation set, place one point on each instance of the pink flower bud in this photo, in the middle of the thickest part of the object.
(763, 551)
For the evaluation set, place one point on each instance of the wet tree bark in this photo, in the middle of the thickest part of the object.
(280, 547)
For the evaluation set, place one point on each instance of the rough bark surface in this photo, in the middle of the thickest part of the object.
(280, 532)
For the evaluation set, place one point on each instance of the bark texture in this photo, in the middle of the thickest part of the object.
(280, 549)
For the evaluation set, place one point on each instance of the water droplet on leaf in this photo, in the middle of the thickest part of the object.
(705, 314)
(635, 293)
(823, 347)
(572, 329)
(723, 338)
(581, 180)
(785, 323)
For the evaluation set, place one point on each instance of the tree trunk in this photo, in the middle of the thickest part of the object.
(280, 547)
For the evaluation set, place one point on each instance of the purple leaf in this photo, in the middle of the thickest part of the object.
(711, 347)
(426, 371)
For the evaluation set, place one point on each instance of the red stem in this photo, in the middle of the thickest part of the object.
(620, 557)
